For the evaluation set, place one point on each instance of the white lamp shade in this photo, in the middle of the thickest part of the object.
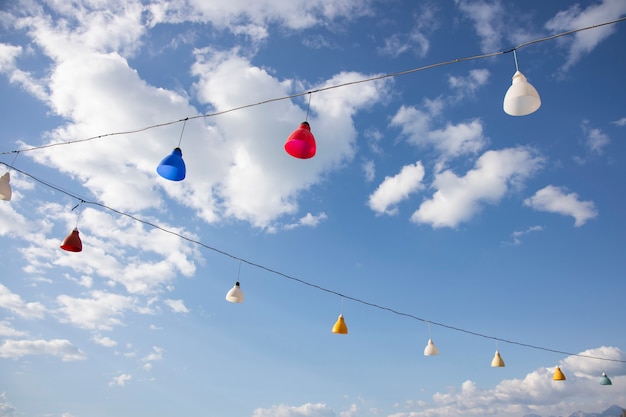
(235, 295)
(521, 98)
(5, 187)
(431, 349)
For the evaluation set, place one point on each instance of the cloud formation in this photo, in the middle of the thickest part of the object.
(553, 199)
(16, 349)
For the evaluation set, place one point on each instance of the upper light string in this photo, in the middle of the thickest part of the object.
(365, 80)
(298, 280)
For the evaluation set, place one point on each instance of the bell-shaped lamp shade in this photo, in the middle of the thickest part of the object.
(558, 375)
(605, 380)
(5, 187)
(431, 349)
(72, 242)
(301, 143)
(340, 326)
(521, 98)
(235, 295)
(497, 360)
(172, 167)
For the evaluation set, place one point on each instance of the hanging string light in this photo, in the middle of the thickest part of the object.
(5, 187)
(235, 295)
(340, 326)
(72, 242)
(497, 361)
(309, 284)
(301, 143)
(172, 167)
(521, 98)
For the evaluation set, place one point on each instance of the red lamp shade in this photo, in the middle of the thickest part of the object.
(72, 242)
(301, 143)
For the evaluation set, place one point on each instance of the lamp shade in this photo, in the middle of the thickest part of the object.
(558, 375)
(235, 295)
(5, 187)
(497, 360)
(431, 349)
(521, 98)
(605, 380)
(172, 167)
(72, 242)
(301, 143)
(340, 326)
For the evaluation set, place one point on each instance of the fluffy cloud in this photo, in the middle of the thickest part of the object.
(395, 189)
(15, 349)
(458, 199)
(584, 42)
(536, 393)
(554, 199)
(120, 380)
(306, 410)
(16, 305)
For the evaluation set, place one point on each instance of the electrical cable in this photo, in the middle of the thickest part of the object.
(82, 200)
(321, 89)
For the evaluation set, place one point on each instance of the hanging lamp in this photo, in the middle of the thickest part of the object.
(497, 361)
(235, 295)
(172, 167)
(340, 326)
(605, 380)
(5, 182)
(558, 375)
(431, 349)
(301, 143)
(521, 98)
(5, 187)
(72, 242)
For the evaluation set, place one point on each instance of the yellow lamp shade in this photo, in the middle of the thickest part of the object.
(497, 360)
(340, 326)
(558, 375)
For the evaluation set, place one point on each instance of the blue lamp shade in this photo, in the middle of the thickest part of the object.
(172, 167)
(605, 380)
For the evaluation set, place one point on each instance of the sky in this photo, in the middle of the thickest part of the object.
(427, 211)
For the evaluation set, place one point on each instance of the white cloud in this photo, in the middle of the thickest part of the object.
(582, 43)
(15, 349)
(554, 199)
(517, 234)
(469, 84)
(14, 303)
(120, 380)
(104, 341)
(306, 410)
(458, 199)
(536, 393)
(396, 189)
(621, 122)
(177, 306)
(308, 220)
(451, 141)
(102, 311)
(156, 355)
(489, 21)
(7, 330)
(595, 139)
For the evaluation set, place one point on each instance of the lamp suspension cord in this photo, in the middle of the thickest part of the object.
(515, 56)
(308, 107)
(182, 131)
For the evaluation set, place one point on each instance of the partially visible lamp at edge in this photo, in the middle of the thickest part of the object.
(5, 187)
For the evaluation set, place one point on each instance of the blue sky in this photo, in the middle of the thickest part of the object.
(425, 203)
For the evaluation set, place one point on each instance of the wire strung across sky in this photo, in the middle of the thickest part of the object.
(82, 200)
(303, 93)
